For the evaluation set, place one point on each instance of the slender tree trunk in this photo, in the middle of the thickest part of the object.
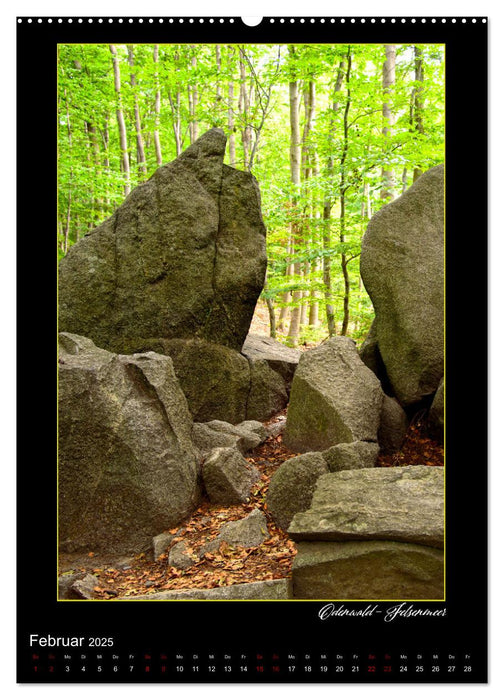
(295, 166)
(218, 65)
(230, 112)
(157, 106)
(106, 154)
(142, 165)
(193, 102)
(287, 296)
(244, 109)
(66, 232)
(343, 189)
(418, 104)
(120, 121)
(327, 208)
(388, 83)
(307, 169)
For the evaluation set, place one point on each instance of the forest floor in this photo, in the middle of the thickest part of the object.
(230, 565)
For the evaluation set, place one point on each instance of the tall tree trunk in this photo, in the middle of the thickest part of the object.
(418, 103)
(244, 109)
(327, 208)
(343, 189)
(142, 165)
(286, 296)
(218, 65)
(66, 232)
(157, 106)
(295, 167)
(230, 113)
(120, 122)
(388, 83)
(307, 169)
(193, 101)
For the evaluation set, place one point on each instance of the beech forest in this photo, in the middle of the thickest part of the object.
(331, 132)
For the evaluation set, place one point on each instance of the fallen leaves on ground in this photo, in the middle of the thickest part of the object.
(418, 448)
(229, 565)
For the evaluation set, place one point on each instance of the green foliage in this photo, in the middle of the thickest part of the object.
(346, 149)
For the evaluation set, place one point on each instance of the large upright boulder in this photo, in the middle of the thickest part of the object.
(402, 267)
(334, 398)
(127, 466)
(183, 257)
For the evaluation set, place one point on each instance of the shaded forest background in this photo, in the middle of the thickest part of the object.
(331, 132)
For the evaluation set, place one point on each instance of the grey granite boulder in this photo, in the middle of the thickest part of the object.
(127, 466)
(292, 486)
(367, 571)
(246, 435)
(351, 455)
(215, 379)
(228, 477)
(393, 426)
(436, 413)
(402, 267)
(279, 589)
(334, 398)
(280, 358)
(165, 264)
(247, 532)
(160, 544)
(180, 558)
(404, 504)
(268, 392)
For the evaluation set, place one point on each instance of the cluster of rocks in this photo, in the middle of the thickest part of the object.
(161, 390)
(154, 313)
(132, 462)
(372, 534)
(365, 532)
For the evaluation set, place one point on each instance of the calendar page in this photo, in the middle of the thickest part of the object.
(250, 255)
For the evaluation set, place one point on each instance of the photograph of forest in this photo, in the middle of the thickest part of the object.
(250, 244)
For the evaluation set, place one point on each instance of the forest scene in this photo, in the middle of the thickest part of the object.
(331, 132)
(251, 321)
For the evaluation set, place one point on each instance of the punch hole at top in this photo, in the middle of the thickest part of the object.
(251, 21)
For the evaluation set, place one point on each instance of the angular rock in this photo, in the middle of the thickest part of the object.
(393, 426)
(254, 426)
(369, 353)
(214, 379)
(249, 434)
(205, 439)
(402, 267)
(83, 588)
(279, 589)
(268, 393)
(351, 455)
(165, 264)
(127, 466)
(335, 398)
(280, 358)
(242, 437)
(160, 544)
(277, 427)
(436, 413)
(247, 532)
(292, 486)
(404, 504)
(65, 583)
(180, 558)
(367, 571)
(228, 477)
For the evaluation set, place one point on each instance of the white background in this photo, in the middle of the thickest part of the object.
(34, 405)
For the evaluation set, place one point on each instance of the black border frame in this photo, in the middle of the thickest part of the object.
(266, 628)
